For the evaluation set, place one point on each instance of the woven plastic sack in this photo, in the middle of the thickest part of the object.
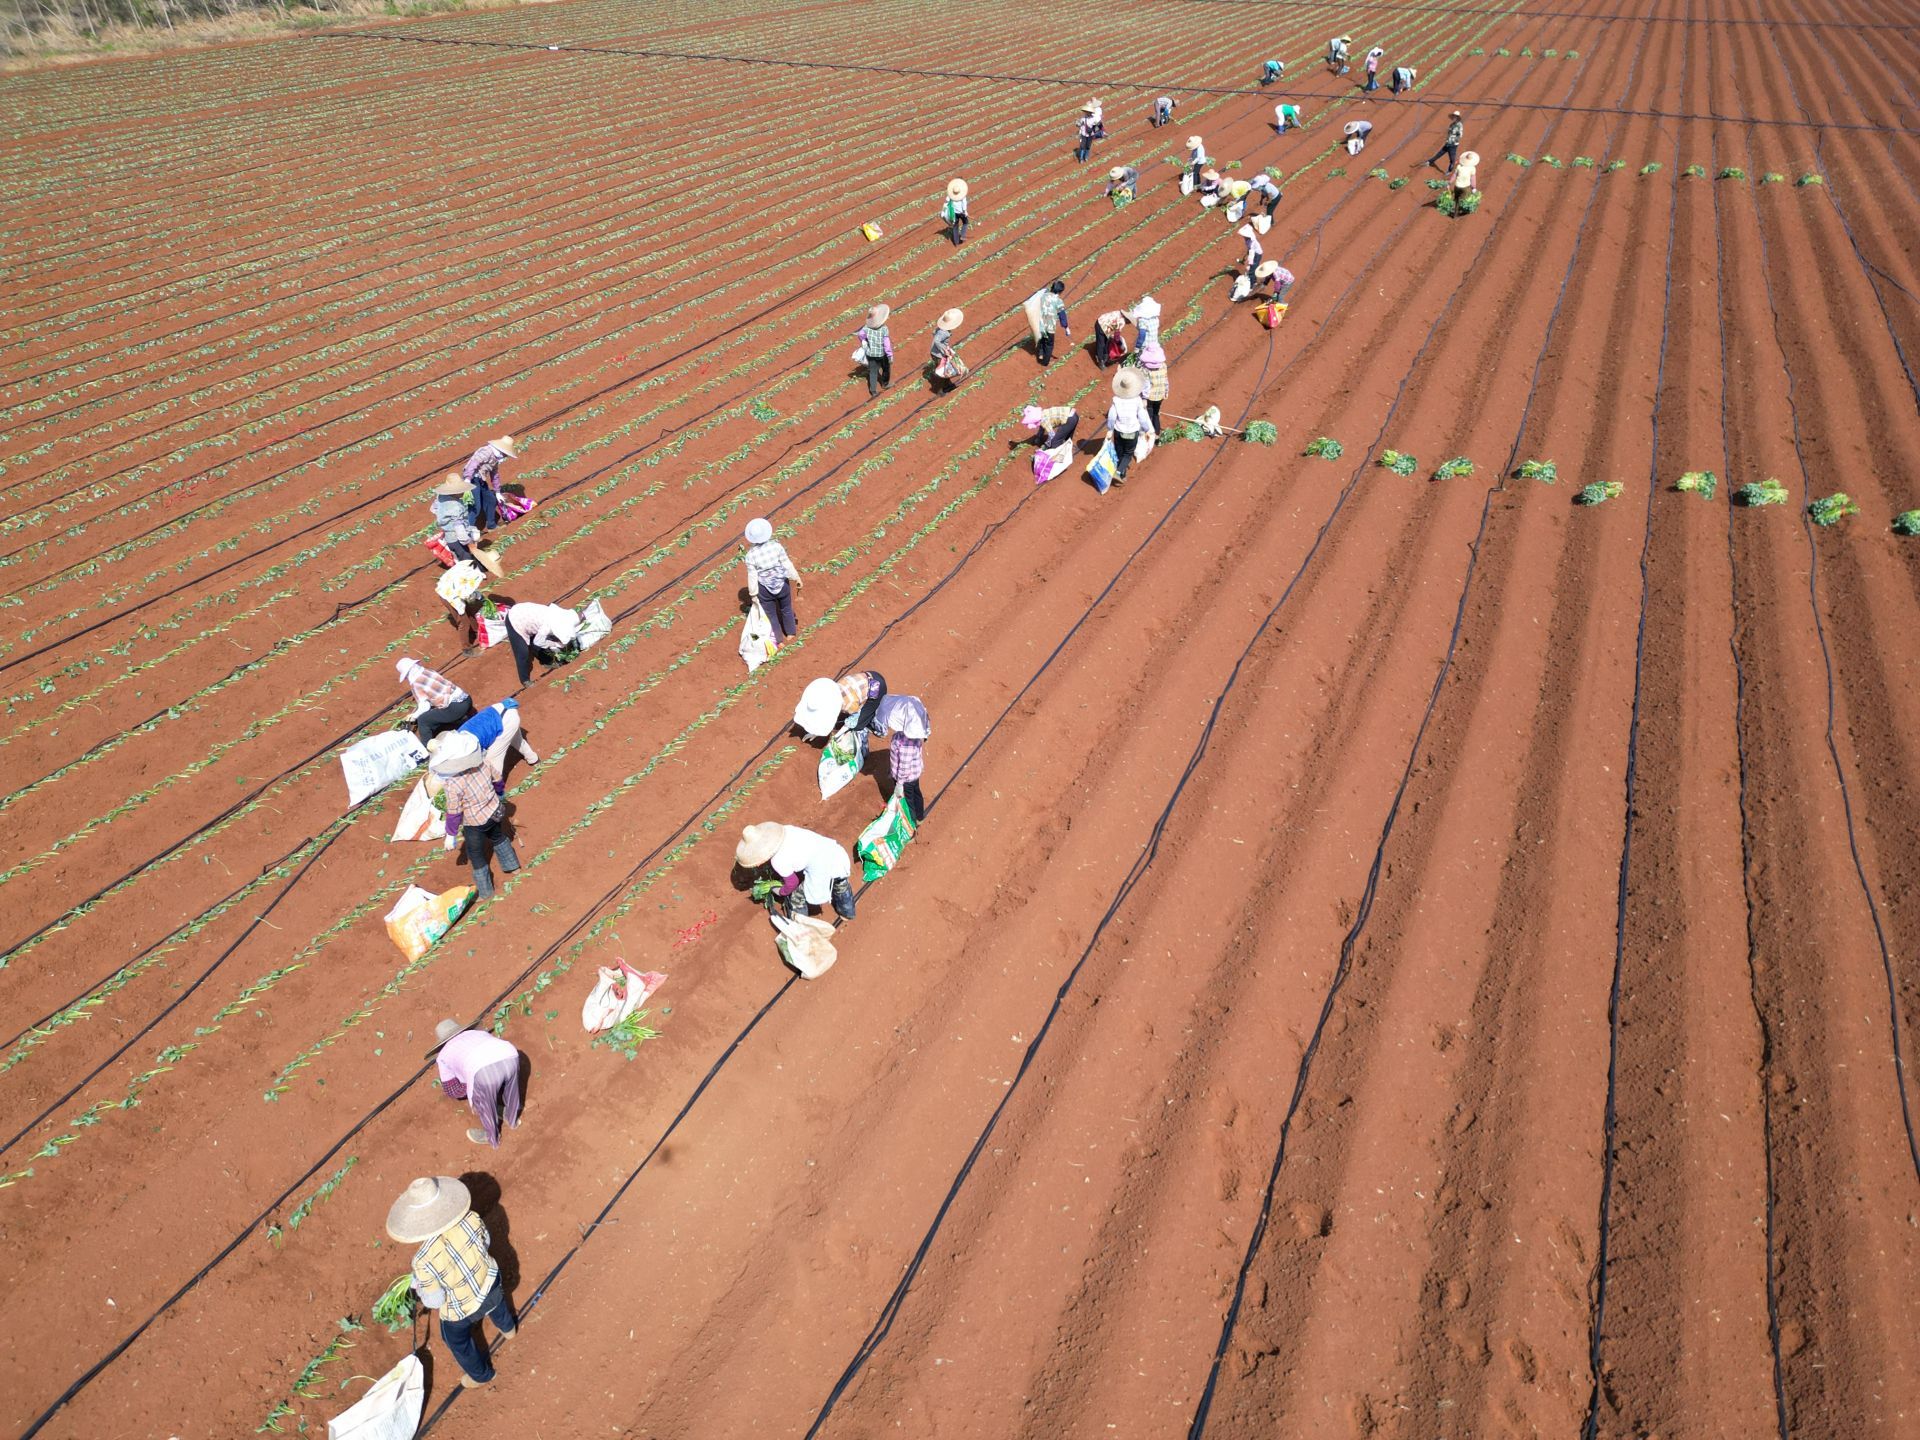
(595, 625)
(491, 631)
(419, 918)
(1271, 314)
(616, 995)
(1235, 211)
(844, 758)
(880, 844)
(437, 547)
(1100, 469)
(389, 1411)
(513, 505)
(1262, 223)
(1049, 463)
(756, 638)
(806, 944)
(419, 818)
(461, 583)
(1207, 202)
(1186, 183)
(1242, 288)
(870, 230)
(379, 760)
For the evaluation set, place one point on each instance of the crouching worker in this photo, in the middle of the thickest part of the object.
(904, 717)
(497, 731)
(476, 811)
(453, 1270)
(539, 631)
(1053, 424)
(443, 704)
(813, 870)
(480, 1068)
(824, 702)
(1123, 181)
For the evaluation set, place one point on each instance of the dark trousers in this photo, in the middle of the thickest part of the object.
(485, 843)
(486, 505)
(457, 550)
(957, 229)
(446, 717)
(915, 802)
(779, 610)
(1273, 200)
(460, 1334)
(879, 373)
(864, 720)
(1084, 149)
(522, 653)
(1280, 293)
(1123, 447)
(1153, 409)
(1043, 348)
(1373, 81)
(1061, 433)
(1451, 150)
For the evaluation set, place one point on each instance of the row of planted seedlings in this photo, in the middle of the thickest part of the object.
(187, 451)
(693, 210)
(610, 368)
(725, 569)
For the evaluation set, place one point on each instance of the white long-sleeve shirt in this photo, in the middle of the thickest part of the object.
(816, 859)
(1127, 415)
(545, 627)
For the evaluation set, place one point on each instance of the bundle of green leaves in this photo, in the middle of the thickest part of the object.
(1652, 167)
(1453, 202)
(1811, 180)
(1762, 492)
(1698, 482)
(1542, 470)
(1454, 469)
(396, 1308)
(1398, 463)
(1697, 171)
(1262, 432)
(1907, 522)
(1600, 491)
(1519, 160)
(1733, 172)
(1833, 508)
(1325, 448)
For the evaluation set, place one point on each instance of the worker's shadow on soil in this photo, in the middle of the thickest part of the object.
(486, 1197)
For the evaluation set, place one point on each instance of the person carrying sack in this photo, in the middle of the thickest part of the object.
(457, 769)
(1086, 130)
(1196, 160)
(1053, 319)
(454, 1271)
(1127, 420)
(772, 579)
(813, 870)
(482, 474)
(445, 703)
(905, 719)
(480, 1068)
(1153, 360)
(948, 368)
(955, 211)
(876, 348)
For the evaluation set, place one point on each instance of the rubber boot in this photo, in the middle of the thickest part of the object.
(482, 883)
(796, 904)
(843, 899)
(503, 852)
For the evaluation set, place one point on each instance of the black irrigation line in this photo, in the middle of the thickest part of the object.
(1609, 1142)
(1364, 910)
(1642, 17)
(1478, 104)
(1747, 861)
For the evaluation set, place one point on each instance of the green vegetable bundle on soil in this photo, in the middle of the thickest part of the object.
(1698, 482)
(1836, 506)
(1613, 165)
(1651, 168)
(1554, 161)
(1542, 470)
(1583, 162)
(1261, 432)
(1600, 491)
(1773, 177)
(1399, 464)
(1397, 182)
(1733, 172)
(1762, 492)
(1454, 469)
(1697, 171)
(1519, 160)
(1907, 522)
(1452, 202)
(1379, 172)
(1325, 448)
(1811, 180)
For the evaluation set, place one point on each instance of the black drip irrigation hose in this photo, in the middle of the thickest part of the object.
(1364, 911)
(1480, 105)
(1642, 17)
(1747, 862)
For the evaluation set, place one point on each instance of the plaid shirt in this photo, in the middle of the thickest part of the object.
(434, 690)
(471, 798)
(769, 564)
(908, 758)
(1157, 383)
(855, 690)
(456, 1263)
(483, 466)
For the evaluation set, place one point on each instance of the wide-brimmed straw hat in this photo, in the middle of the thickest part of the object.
(1193, 141)
(406, 666)
(757, 844)
(453, 752)
(505, 446)
(951, 319)
(1209, 174)
(454, 485)
(1148, 308)
(1129, 383)
(956, 189)
(1118, 172)
(819, 708)
(1455, 115)
(1089, 107)
(1469, 158)
(442, 1033)
(759, 531)
(1266, 268)
(429, 1205)
(878, 314)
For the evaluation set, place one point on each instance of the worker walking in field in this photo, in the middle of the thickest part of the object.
(1196, 159)
(480, 1068)
(1086, 129)
(813, 870)
(1374, 57)
(539, 632)
(876, 348)
(1403, 78)
(772, 579)
(1287, 117)
(1127, 420)
(482, 474)
(1450, 148)
(454, 1271)
(1053, 319)
(948, 368)
(1153, 361)
(955, 211)
(476, 807)
(443, 704)
(1464, 176)
(904, 718)
(824, 702)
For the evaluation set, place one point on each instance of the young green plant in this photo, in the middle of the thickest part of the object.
(1698, 482)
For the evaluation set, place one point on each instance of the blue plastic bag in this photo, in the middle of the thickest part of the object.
(1100, 471)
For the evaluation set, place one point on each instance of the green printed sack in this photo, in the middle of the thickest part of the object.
(880, 844)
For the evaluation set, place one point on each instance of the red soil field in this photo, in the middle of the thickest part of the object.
(1387, 955)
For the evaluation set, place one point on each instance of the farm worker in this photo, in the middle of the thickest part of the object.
(443, 704)
(483, 475)
(1463, 177)
(1096, 111)
(476, 812)
(1262, 184)
(1196, 157)
(1163, 111)
(948, 368)
(1271, 71)
(1288, 117)
(1337, 52)
(772, 579)
(1279, 275)
(955, 210)
(1254, 255)
(496, 730)
(453, 1271)
(1209, 184)
(1055, 424)
(1403, 78)
(1154, 361)
(1109, 345)
(536, 631)
(1123, 182)
(1146, 317)
(904, 717)
(452, 514)
(1356, 132)
(1127, 419)
(1374, 57)
(813, 870)
(1086, 130)
(824, 701)
(1053, 319)
(876, 348)
(1456, 132)
(480, 1068)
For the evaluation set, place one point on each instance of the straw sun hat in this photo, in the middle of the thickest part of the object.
(1193, 142)
(505, 446)
(454, 752)
(951, 319)
(956, 189)
(442, 1033)
(1209, 174)
(1265, 268)
(454, 485)
(429, 1205)
(1128, 384)
(1118, 172)
(757, 844)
